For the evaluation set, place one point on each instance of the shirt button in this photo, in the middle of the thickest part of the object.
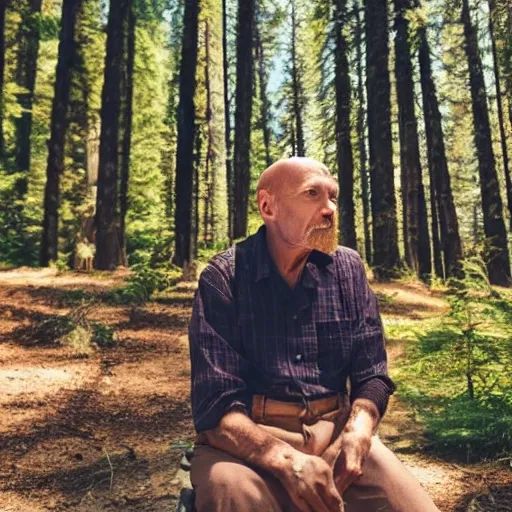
(298, 358)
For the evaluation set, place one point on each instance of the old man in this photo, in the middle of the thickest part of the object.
(289, 373)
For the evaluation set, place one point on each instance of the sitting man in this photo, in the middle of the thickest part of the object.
(289, 375)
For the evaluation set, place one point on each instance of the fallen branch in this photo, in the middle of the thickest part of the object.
(111, 468)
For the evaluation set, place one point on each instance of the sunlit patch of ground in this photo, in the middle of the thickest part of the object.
(412, 301)
(38, 381)
(51, 277)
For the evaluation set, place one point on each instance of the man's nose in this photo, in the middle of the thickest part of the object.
(329, 209)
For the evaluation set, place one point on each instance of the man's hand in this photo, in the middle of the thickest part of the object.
(348, 467)
(310, 484)
(346, 455)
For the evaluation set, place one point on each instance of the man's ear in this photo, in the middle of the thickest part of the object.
(266, 205)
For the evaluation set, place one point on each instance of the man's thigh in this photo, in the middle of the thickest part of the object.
(367, 494)
(225, 483)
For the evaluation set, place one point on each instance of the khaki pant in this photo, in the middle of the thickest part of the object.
(224, 483)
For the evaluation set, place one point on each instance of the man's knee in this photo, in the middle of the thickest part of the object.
(229, 486)
(378, 464)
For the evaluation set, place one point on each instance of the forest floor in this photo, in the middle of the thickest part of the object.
(105, 432)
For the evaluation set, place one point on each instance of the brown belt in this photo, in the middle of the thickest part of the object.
(266, 410)
(296, 416)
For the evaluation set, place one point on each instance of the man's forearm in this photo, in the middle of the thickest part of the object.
(239, 436)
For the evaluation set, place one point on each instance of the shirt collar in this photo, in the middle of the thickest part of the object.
(264, 261)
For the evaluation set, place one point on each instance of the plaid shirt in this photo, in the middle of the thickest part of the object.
(253, 334)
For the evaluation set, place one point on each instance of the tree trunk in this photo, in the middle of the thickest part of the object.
(507, 8)
(264, 113)
(77, 134)
(499, 101)
(186, 132)
(363, 160)
(386, 258)
(216, 206)
(59, 124)
(227, 120)
(126, 127)
(243, 112)
(436, 241)
(498, 264)
(297, 88)
(415, 211)
(3, 5)
(26, 78)
(343, 144)
(440, 186)
(208, 233)
(108, 222)
(195, 199)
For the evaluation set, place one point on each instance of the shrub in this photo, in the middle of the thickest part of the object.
(457, 375)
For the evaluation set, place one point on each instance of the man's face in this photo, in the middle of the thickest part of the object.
(306, 212)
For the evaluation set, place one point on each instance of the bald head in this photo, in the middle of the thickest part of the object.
(289, 173)
(297, 201)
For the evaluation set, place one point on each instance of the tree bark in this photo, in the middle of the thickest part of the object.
(59, 124)
(3, 6)
(186, 136)
(243, 112)
(108, 222)
(440, 184)
(297, 88)
(506, 6)
(415, 211)
(227, 120)
(386, 257)
(498, 265)
(26, 77)
(436, 239)
(198, 142)
(344, 156)
(208, 232)
(363, 160)
(126, 127)
(216, 206)
(499, 101)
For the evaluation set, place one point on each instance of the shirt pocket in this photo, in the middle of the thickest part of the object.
(334, 331)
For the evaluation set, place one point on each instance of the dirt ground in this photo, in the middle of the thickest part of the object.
(106, 432)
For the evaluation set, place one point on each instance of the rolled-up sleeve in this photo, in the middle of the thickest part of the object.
(217, 367)
(369, 375)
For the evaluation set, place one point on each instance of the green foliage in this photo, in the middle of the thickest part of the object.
(103, 335)
(143, 283)
(458, 372)
(74, 331)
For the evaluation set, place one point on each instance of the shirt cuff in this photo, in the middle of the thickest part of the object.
(377, 390)
(222, 407)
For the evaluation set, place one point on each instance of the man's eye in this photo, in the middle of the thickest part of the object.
(312, 192)
(334, 199)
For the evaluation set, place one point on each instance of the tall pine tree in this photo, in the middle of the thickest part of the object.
(186, 136)
(385, 235)
(115, 113)
(498, 264)
(243, 114)
(59, 123)
(416, 238)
